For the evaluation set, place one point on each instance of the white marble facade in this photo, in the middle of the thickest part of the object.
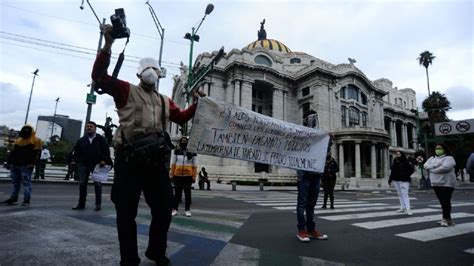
(368, 119)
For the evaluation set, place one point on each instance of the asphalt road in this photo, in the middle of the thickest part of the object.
(241, 228)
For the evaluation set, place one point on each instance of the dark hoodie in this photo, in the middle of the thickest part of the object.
(26, 149)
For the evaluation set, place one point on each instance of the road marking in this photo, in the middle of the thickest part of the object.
(292, 200)
(385, 198)
(319, 211)
(439, 232)
(405, 221)
(372, 214)
(454, 205)
(469, 250)
(337, 205)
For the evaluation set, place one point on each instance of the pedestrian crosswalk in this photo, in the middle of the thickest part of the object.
(377, 213)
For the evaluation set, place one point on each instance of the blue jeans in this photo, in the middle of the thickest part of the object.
(308, 190)
(19, 175)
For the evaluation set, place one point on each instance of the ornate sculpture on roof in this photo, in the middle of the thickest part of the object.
(352, 60)
(262, 34)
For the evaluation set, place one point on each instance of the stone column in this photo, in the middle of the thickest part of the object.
(386, 162)
(393, 134)
(246, 95)
(341, 160)
(347, 118)
(415, 138)
(373, 161)
(357, 160)
(277, 104)
(236, 96)
(404, 135)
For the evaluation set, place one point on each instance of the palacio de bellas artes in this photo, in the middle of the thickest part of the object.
(368, 119)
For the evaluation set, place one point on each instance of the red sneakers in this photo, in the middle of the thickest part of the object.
(317, 235)
(303, 236)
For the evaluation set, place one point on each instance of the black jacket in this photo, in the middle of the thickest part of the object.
(401, 170)
(91, 154)
(330, 170)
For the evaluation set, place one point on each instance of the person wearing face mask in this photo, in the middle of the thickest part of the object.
(143, 112)
(90, 150)
(183, 172)
(443, 180)
(21, 162)
(400, 176)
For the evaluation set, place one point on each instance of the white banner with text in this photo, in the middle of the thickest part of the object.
(226, 130)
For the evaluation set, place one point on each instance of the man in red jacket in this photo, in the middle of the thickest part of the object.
(142, 112)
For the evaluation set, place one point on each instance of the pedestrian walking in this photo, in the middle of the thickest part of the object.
(470, 167)
(183, 173)
(21, 162)
(41, 163)
(89, 151)
(400, 176)
(141, 152)
(443, 179)
(204, 179)
(308, 190)
(71, 167)
(329, 180)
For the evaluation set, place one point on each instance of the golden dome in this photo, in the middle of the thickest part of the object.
(269, 44)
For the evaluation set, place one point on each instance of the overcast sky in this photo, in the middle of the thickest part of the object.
(385, 37)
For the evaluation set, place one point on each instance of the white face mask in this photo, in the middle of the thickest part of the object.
(149, 76)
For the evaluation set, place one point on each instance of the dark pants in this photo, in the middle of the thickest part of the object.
(444, 196)
(182, 183)
(84, 171)
(131, 178)
(201, 184)
(328, 187)
(40, 167)
(308, 190)
(71, 171)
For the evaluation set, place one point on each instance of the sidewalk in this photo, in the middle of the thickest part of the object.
(365, 185)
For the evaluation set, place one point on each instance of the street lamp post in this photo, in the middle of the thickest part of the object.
(91, 93)
(35, 73)
(424, 183)
(193, 37)
(161, 32)
(54, 118)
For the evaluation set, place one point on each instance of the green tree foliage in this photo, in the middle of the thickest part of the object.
(436, 105)
(59, 151)
(426, 59)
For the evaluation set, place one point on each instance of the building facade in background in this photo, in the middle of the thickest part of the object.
(368, 119)
(64, 127)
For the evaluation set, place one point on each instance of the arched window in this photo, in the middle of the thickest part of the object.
(354, 116)
(364, 119)
(263, 60)
(364, 98)
(343, 116)
(352, 93)
(295, 61)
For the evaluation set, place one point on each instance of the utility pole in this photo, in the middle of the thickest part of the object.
(161, 32)
(54, 119)
(193, 37)
(91, 97)
(35, 73)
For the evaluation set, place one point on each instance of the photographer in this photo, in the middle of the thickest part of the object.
(142, 112)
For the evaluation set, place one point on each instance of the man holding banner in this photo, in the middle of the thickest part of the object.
(226, 130)
(308, 191)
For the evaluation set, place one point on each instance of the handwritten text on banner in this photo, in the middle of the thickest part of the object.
(226, 130)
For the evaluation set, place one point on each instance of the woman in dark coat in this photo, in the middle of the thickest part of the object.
(401, 171)
(329, 180)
